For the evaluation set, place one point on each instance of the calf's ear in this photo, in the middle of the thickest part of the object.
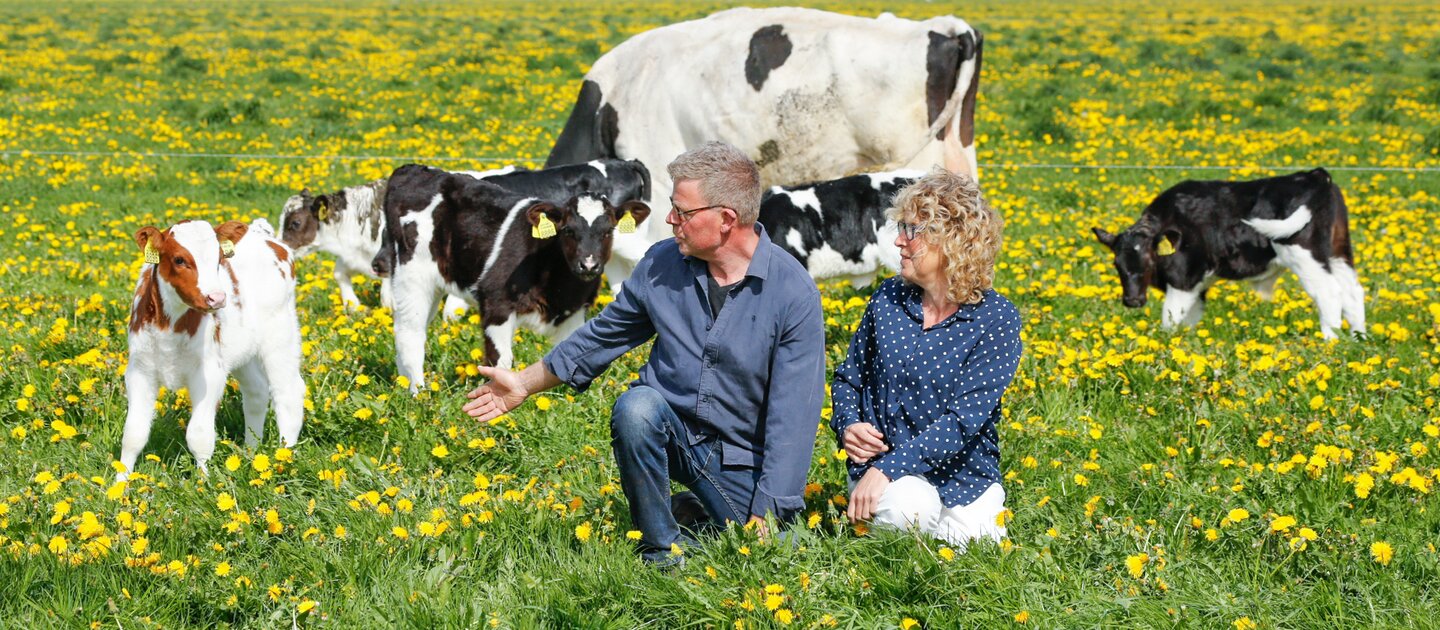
(638, 211)
(146, 236)
(1107, 239)
(543, 219)
(231, 231)
(1167, 243)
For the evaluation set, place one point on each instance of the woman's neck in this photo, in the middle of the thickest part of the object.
(936, 304)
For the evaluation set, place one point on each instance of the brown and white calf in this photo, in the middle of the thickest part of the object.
(1199, 231)
(213, 302)
(474, 239)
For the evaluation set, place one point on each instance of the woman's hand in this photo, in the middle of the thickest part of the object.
(863, 441)
(865, 498)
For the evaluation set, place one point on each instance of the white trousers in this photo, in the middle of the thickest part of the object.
(911, 502)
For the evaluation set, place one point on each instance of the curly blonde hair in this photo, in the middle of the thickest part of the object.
(956, 219)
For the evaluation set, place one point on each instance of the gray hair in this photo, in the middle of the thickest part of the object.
(727, 177)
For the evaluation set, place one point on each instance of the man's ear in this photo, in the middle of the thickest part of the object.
(1107, 239)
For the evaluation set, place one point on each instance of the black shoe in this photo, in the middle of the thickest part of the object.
(689, 513)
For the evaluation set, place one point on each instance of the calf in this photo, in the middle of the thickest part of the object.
(838, 228)
(1199, 231)
(523, 260)
(618, 181)
(212, 302)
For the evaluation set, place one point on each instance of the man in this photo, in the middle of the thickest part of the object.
(728, 402)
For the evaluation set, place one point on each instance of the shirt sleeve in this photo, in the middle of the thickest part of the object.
(987, 371)
(848, 383)
(792, 409)
(623, 324)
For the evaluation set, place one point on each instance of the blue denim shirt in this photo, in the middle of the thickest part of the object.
(934, 394)
(754, 377)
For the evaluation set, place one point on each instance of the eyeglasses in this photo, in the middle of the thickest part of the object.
(686, 215)
(910, 230)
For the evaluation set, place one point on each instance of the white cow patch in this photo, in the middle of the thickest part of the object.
(1324, 287)
(880, 179)
(590, 209)
(500, 235)
(599, 166)
(1276, 229)
(796, 242)
(803, 198)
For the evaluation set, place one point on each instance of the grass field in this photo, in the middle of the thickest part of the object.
(1241, 474)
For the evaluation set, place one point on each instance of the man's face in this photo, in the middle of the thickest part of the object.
(697, 231)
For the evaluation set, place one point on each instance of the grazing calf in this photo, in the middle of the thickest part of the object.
(212, 302)
(521, 259)
(618, 181)
(1199, 231)
(347, 224)
(838, 228)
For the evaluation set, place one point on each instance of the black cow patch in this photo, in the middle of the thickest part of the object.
(769, 48)
(967, 107)
(583, 138)
(942, 70)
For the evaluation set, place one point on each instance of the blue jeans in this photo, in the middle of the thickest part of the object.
(652, 448)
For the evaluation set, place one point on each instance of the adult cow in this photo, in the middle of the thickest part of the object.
(809, 95)
(1199, 231)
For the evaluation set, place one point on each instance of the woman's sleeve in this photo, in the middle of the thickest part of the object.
(845, 389)
(986, 373)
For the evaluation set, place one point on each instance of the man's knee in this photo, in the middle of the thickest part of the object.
(908, 502)
(638, 414)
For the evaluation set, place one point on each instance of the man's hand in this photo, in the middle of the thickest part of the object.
(866, 496)
(505, 391)
(863, 441)
(762, 530)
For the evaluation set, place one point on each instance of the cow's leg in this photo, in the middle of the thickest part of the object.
(617, 271)
(454, 308)
(1183, 307)
(347, 289)
(565, 327)
(207, 387)
(141, 390)
(1264, 284)
(861, 280)
(1352, 304)
(414, 306)
(255, 399)
(281, 362)
(1319, 282)
(387, 300)
(499, 337)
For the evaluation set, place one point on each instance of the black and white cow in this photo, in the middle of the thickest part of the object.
(1200, 231)
(838, 228)
(809, 95)
(618, 181)
(474, 239)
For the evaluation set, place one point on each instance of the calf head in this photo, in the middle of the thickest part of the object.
(301, 219)
(1138, 253)
(187, 259)
(586, 227)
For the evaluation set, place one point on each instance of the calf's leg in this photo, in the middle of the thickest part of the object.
(207, 387)
(414, 306)
(141, 389)
(255, 399)
(347, 289)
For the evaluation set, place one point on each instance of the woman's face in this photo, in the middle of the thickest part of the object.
(920, 262)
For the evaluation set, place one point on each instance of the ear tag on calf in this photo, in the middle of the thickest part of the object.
(152, 255)
(1165, 247)
(227, 248)
(322, 212)
(626, 224)
(544, 229)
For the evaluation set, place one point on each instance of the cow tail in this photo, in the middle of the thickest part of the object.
(1340, 227)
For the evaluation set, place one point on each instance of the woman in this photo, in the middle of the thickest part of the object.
(917, 399)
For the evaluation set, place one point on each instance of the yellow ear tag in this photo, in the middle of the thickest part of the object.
(626, 224)
(544, 229)
(227, 248)
(1165, 247)
(323, 211)
(152, 255)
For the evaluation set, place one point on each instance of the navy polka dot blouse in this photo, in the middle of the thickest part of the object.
(935, 394)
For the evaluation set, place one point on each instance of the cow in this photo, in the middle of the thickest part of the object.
(348, 224)
(838, 228)
(618, 181)
(809, 95)
(1199, 231)
(522, 259)
(212, 302)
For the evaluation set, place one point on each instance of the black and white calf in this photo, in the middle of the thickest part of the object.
(1199, 231)
(838, 228)
(474, 239)
(618, 181)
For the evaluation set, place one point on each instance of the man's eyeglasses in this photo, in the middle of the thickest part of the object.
(910, 230)
(686, 215)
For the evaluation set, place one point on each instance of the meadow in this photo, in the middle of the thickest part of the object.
(1241, 474)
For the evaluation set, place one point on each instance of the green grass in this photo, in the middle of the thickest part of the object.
(1118, 435)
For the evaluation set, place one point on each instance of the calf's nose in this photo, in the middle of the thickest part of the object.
(215, 300)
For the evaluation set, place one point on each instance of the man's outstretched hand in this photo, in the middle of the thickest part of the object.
(504, 392)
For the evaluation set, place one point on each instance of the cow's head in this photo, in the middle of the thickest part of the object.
(301, 219)
(1138, 251)
(187, 259)
(586, 228)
